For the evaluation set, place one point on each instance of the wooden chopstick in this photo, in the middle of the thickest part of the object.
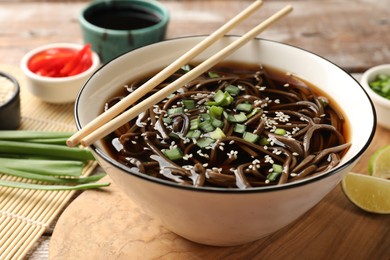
(162, 75)
(172, 87)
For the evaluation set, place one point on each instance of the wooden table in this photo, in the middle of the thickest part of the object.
(353, 34)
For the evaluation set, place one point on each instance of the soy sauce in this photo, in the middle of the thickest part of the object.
(129, 17)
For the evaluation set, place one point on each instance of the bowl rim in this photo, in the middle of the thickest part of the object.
(364, 81)
(270, 188)
(16, 92)
(76, 46)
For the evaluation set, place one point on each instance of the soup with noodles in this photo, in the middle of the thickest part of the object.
(235, 126)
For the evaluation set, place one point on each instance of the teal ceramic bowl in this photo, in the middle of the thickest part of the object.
(116, 27)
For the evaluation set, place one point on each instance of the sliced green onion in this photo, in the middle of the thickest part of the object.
(204, 142)
(237, 118)
(253, 112)
(221, 99)
(167, 120)
(381, 85)
(194, 134)
(246, 107)
(216, 122)
(324, 101)
(250, 137)
(194, 124)
(239, 128)
(217, 134)
(205, 117)
(219, 96)
(280, 131)
(189, 103)
(213, 74)
(206, 126)
(263, 141)
(173, 154)
(233, 90)
(175, 110)
(216, 111)
(273, 176)
(277, 168)
(227, 100)
(186, 68)
(211, 103)
(240, 118)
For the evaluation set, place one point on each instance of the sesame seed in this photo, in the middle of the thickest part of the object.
(268, 159)
(187, 156)
(256, 161)
(276, 151)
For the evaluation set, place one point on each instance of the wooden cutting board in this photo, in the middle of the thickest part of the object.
(106, 224)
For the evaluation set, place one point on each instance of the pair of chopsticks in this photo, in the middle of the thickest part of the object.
(112, 119)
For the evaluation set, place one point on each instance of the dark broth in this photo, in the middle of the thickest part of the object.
(121, 17)
(290, 130)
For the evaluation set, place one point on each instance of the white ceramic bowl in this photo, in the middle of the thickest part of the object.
(382, 105)
(56, 90)
(217, 216)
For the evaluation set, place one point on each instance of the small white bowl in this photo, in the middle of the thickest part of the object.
(382, 105)
(56, 90)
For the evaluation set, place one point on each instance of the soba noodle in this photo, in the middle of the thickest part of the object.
(236, 126)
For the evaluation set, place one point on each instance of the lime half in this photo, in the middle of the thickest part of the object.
(369, 193)
(379, 164)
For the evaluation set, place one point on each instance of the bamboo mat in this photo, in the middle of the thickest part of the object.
(26, 214)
